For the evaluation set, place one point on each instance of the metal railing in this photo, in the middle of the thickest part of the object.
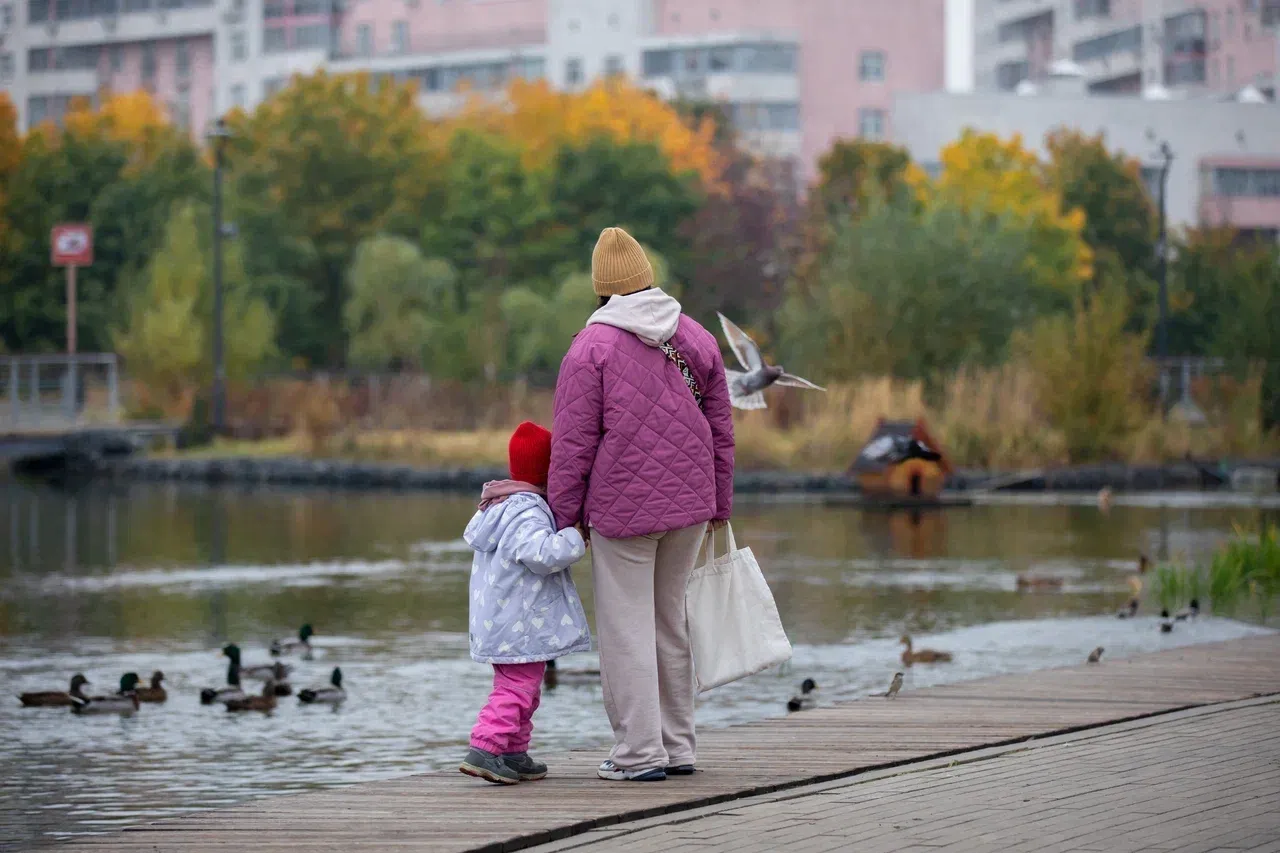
(51, 392)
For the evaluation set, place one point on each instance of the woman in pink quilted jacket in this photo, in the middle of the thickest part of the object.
(642, 458)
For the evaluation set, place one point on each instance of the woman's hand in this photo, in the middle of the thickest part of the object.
(717, 523)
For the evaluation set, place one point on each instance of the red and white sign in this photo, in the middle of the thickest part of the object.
(72, 245)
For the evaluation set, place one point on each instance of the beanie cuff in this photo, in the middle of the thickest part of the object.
(624, 286)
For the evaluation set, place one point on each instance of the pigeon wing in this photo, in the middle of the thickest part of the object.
(737, 397)
(743, 347)
(789, 381)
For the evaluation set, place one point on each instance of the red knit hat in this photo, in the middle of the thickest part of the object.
(530, 454)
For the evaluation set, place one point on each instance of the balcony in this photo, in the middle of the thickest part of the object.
(134, 20)
(64, 82)
(506, 40)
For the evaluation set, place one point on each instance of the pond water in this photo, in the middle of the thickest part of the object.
(108, 579)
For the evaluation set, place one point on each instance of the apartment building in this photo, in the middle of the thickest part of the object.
(792, 74)
(1226, 153)
(1126, 46)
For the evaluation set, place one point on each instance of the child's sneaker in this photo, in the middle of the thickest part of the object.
(489, 767)
(614, 773)
(524, 765)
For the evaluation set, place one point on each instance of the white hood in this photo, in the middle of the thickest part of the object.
(650, 315)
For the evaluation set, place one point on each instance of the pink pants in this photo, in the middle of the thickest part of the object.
(506, 721)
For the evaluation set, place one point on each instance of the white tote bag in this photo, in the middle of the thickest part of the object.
(734, 627)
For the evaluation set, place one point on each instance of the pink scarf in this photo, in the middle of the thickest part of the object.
(497, 491)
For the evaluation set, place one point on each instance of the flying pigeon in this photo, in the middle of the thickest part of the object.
(746, 387)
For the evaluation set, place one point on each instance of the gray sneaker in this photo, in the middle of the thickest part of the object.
(489, 767)
(528, 769)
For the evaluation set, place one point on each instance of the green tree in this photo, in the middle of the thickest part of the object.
(403, 309)
(1092, 376)
(1229, 292)
(951, 300)
(125, 185)
(603, 182)
(165, 338)
(1120, 220)
(854, 171)
(336, 159)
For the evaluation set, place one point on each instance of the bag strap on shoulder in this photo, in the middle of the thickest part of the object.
(689, 379)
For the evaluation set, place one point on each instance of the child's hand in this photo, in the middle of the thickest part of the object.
(582, 531)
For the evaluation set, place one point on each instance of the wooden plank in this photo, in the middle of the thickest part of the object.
(448, 812)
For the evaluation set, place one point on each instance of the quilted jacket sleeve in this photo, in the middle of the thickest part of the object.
(576, 430)
(719, 412)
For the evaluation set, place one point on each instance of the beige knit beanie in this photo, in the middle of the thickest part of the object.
(618, 264)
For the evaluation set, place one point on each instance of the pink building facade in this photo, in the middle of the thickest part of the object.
(792, 74)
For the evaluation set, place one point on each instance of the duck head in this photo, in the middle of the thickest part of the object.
(129, 682)
(279, 671)
(808, 686)
(232, 651)
(905, 639)
(305, 633)
(77, 681)
(269, 689)
(1164, 614)
(157, 678)
(336, 678)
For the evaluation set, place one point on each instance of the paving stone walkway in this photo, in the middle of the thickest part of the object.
(1207, 779)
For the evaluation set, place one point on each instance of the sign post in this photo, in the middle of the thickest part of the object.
(71, 246)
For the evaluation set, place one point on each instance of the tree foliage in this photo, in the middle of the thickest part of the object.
(403, 310)
(951, 300)
(1092, 375)
(166, 339)
(1002, 179)
(337, 159)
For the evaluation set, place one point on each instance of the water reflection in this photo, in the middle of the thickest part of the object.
(113, 578)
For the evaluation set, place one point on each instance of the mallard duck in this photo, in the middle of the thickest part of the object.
(910, 656)
(55, 698)
(804, 700)
(1165, 625)
(302, 644)
(125, 701)
(554, 676)
(1129, 610)
(264, 702)
(261, 672)
(1026, 582)
(209, 695)
(331, 694)
(1095, 655)
(283, 687)
(1191, 611)
(154, 693)
(894, 686)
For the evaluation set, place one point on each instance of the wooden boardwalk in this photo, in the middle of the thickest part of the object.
(448, 812)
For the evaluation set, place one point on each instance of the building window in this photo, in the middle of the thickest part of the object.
(275, 40)
(117, 59)
(1246, 183)
(656, 63)
(1231, 71)
(748, 117)
(720, 59)
(311, 37)
(181, 109)
(1010, 74)
(37, 11)
(1103, 46)
(274, 9)
(529, 69)
(573, 71)
(239, 46)
(37, 110)
(6, 16)
(6, 66)
(1271, 13)
(148, 61)
(237, 96)
(272, 85)
(871, 66)
(364, 40)
(1092, 9)
(1231, 23)
(39, 59)
(182, 60)
(613, 66)
(400, 37)
(310, 7)
(871, 124)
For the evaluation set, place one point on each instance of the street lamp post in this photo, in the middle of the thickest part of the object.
(218, 137)
(1162, 273)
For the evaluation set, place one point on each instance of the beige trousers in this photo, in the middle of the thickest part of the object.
(646, 667)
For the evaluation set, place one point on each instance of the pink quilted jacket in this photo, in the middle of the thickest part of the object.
(631, 453)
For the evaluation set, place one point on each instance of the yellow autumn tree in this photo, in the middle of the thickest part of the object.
(981, 171)
(542, 120)
(10, 155)
(133, 118)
